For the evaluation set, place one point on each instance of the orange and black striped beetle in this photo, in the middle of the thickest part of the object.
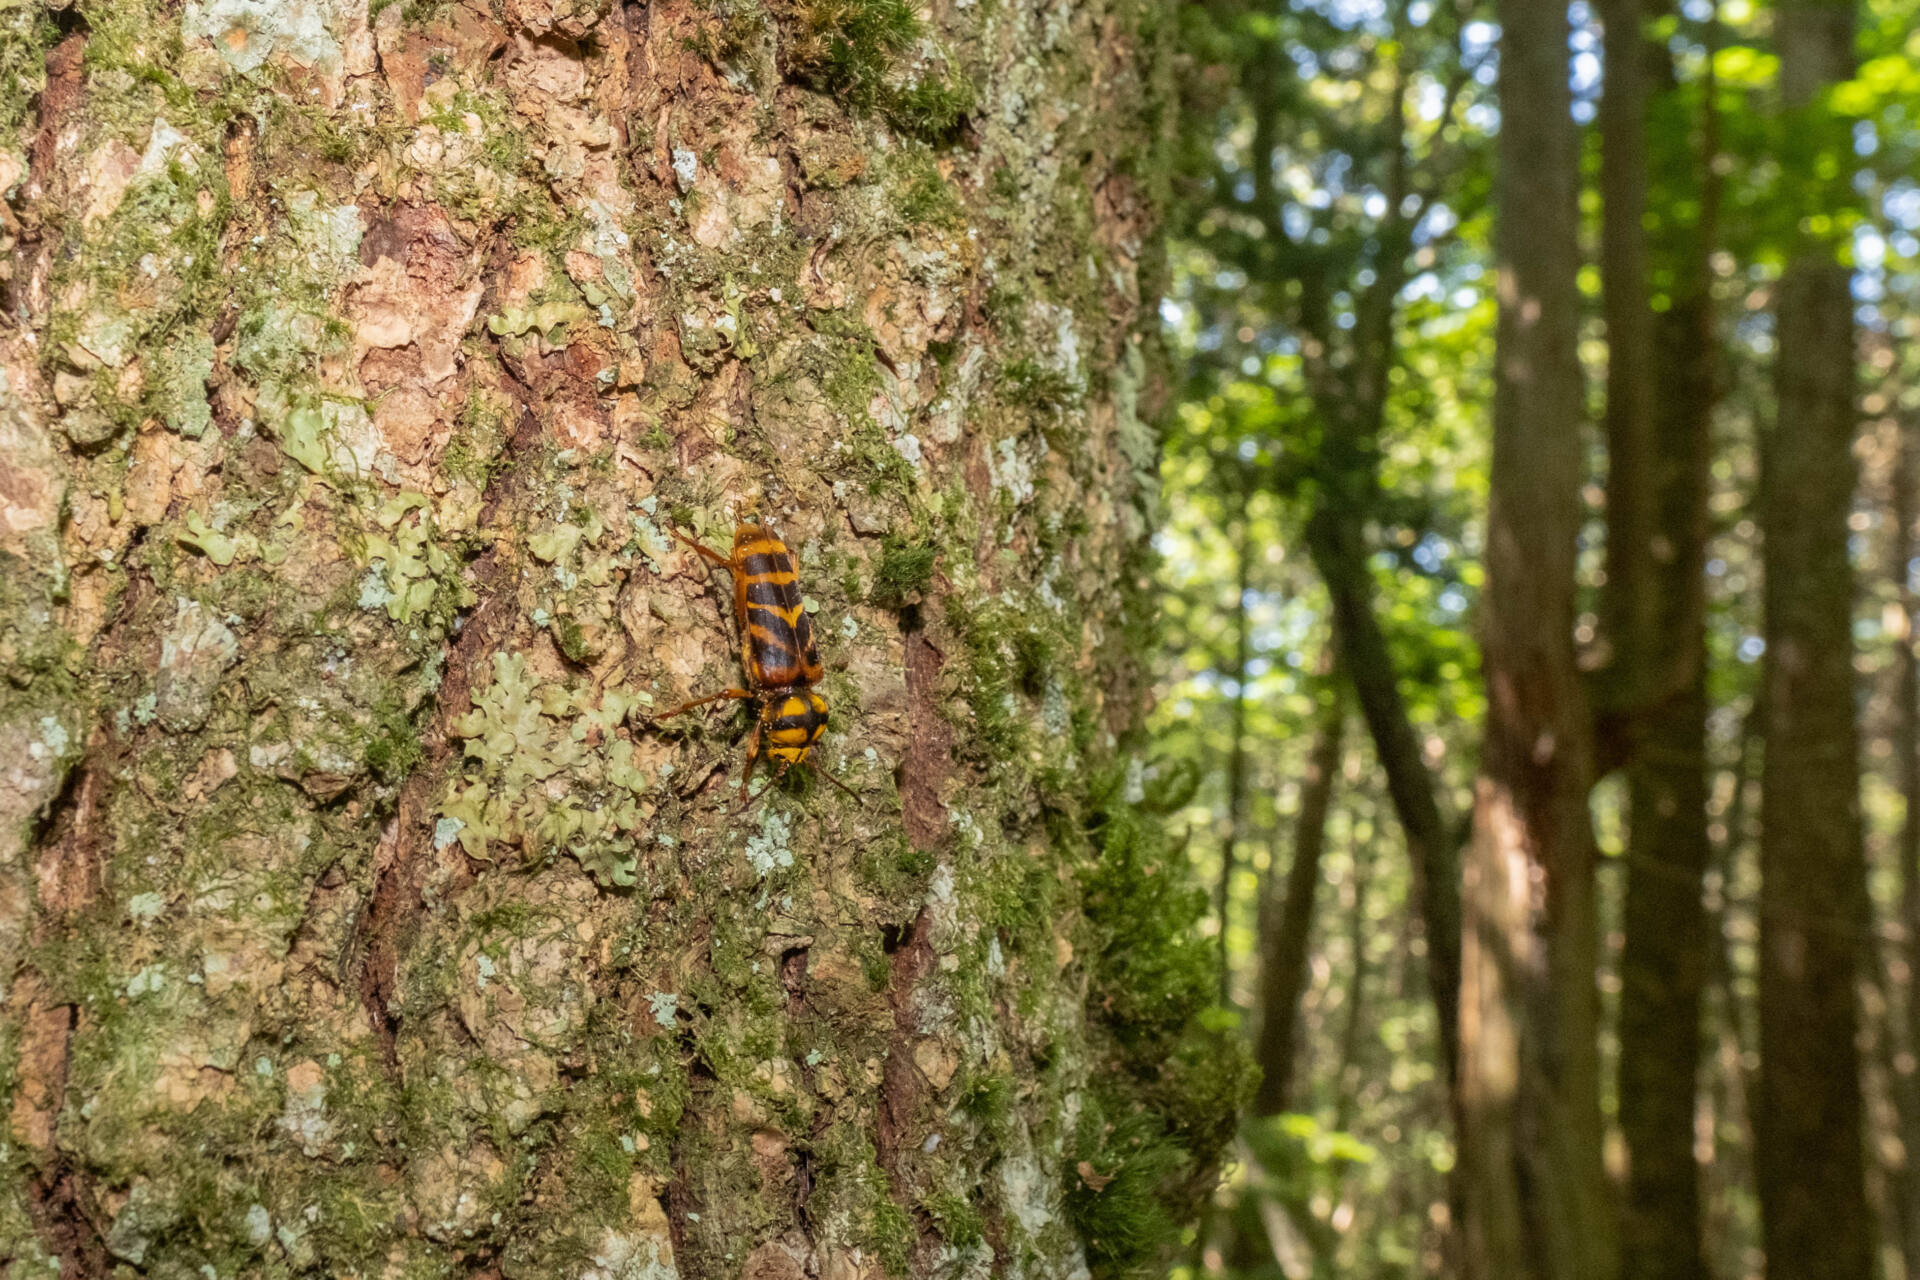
(782, 663)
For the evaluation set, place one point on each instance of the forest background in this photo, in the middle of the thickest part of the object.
(1644, 280)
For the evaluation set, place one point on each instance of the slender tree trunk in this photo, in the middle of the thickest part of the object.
(1666, 390)
(1664, 958)
(1353, 1015)
(1906, 749)
(1237, 751)
(1335, 542)
(1724, 1238)
(1632, 597)
(1810, 1161)
(356, 916)
(1537, 1199)
(1285, 940)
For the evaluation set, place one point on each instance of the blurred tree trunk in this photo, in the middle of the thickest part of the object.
(1336, 543)
(1350, 399)
(1351, 1073)
(1536, 1196)
(1906, 749)
(1810, 1162)
(1725, 1238)
(1237, 752)
(1660, 397)
(1286, 935)
(355, 916)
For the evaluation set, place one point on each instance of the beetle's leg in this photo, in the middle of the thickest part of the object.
(772, 782)
(701, 702)
(822, 771)
(725, 562)
(746, 772)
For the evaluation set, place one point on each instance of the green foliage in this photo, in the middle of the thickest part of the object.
(1332, 304)
(1149, 1134)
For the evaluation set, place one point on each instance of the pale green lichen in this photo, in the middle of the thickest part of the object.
(770, 848)
(409, 565)
(246, 33)
(522, 742)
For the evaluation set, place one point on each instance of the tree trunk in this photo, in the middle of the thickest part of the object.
(1664, 956)
(1906, 752)
(1237, 748)
(356, 916)
(1665, 386)
(1289, 930)
(1725, 1238)
(1632, 599)
(1810, 1162)
(1535, 1194)
(1334, 539)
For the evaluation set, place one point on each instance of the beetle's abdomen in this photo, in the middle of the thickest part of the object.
(779, 635)
(796, 724)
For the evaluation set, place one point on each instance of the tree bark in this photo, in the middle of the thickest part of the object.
(1288, 933)
(1809, 1162)
(1536, 1197)
(356, 915)
(1660, 375)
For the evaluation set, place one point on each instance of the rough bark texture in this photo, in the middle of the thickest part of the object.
(1809, 1161)
(1534, 1193)
(1661, 370)
(355, 918)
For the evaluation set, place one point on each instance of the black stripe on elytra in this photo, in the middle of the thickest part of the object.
(803, 632)
(779, 595)
(761, 562)
(768, 631)
(772, 651)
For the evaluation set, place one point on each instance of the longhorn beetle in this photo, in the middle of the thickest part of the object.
(776, 638)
